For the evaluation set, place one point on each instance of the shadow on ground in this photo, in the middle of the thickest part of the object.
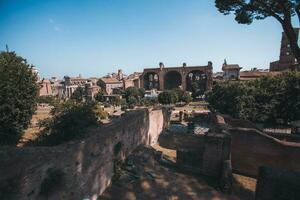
(143, 178)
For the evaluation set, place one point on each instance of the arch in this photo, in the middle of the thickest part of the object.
(196, 82)
(172, 80)
(151, 81)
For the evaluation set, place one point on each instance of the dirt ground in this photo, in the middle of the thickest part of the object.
(33, 130)
(145, 176)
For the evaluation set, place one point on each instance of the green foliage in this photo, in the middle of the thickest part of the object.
(51, 100)
(167, 97)
(100, 96)
(100, 112)
(79, 94)
(132, 101)
(223, 97)
(137, 93)
(52, 181)
(18, 94)
(182, 96)
(186, 97)
(149, 101)
(134, 96)
(69, 121)
(270, 100)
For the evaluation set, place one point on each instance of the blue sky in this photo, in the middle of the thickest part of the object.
(95, 37)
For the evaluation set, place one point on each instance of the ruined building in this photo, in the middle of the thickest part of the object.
(287, 60)
(185, 77)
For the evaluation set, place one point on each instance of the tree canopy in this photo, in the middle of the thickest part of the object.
(282, 10)
(79, 94)
(269, 100)
(18, 95)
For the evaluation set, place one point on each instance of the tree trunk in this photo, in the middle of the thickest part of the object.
(293, 38)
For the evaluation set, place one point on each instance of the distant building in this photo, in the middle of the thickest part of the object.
(35, 71)
(287, 60)
(231, 72)
(218, 76)
(92, 89)
(255, 74)
(108, 84)
(185, 77)
(132, 80)
(45, 88)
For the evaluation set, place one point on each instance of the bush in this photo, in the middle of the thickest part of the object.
(149, 101)
(167, 97)
(100, 96)
(18, 95)
(70, 121)
(186, 97)
(51, 100)
(100, 112)
(79, 94)
(132, 101)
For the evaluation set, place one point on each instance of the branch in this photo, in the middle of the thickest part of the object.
(297, 10)
(267, 10)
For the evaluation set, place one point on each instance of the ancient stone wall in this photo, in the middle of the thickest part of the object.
(251, 148)
(86, 166)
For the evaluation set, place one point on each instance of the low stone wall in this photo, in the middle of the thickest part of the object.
(251, 149)
(277, 184)
(86, 165)
(207, 158)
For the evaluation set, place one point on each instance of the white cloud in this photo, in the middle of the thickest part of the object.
(51, 21)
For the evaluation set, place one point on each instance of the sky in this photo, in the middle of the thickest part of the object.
(96, 37)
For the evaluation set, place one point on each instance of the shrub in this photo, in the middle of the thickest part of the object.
(100, 112)
(149, 101)
(167, 97)
(132, 101)
(18, 94)
(79, 94)
(186, 97)
(100, 96)
(69, 122)
(51, 100)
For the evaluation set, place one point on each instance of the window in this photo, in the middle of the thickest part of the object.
(287, 53)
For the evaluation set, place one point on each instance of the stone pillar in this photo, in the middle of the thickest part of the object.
(183, 80)
(161, 80)
(141, 81)
(209, 78)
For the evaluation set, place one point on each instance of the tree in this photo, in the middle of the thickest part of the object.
(268, 100)
(100, 96)
(70, 121)
(186, 97)
(282, 10)
(79, 94)
(18, 95)
(167, 97)
(134, 92)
